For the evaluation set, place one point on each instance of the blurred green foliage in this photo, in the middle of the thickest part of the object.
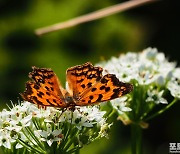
(155, 25)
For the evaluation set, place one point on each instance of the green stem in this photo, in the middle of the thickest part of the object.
(136, 140)
(74, 150)
(162, 110)
(30, 148)
(77, 151)
(35, 138)
(111, 114)
(71, 138)
(30, 140)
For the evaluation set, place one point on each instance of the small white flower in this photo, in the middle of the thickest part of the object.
(66, 116)
(150, 53)
(26, 121)
(5, 139)
(174, 84)
(174, 88)
(156, 97)
(50, 136)
(18, 146)
(50, 114)
(176, 73)
(79, 120)
(120, 104)
(160, 80)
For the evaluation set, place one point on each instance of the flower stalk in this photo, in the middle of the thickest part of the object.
(136, 139)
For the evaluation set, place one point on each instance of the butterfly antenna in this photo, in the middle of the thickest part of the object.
(63, 110)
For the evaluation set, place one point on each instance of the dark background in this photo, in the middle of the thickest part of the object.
(151, 25)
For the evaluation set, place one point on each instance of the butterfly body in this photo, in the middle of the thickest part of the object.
(69, 100)
(86, 86)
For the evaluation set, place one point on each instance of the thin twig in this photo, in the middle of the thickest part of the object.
(93, 16)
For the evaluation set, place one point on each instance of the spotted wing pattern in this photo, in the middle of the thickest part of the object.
(44, 89)
(88, 86)
(109, 87)
(82, 77)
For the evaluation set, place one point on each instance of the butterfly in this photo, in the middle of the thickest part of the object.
(86, 86)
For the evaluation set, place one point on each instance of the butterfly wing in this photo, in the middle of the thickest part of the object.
(44, 89)
(108, 88)
(82, 77)
(88, 86)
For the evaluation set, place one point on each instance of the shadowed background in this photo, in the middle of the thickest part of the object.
(155, 25)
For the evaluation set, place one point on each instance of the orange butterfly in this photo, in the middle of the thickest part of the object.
(86, 86)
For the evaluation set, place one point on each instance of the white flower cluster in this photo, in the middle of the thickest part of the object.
(148, 67)
(48, 125)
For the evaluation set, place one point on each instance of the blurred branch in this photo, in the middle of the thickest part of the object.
(93, 16)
